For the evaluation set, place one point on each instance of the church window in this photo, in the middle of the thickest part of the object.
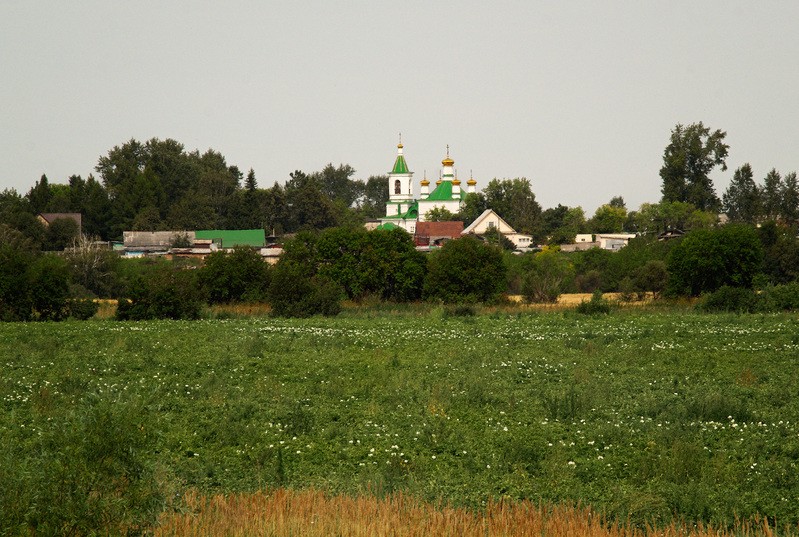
(397, 187)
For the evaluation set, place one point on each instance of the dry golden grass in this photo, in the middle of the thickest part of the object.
(283, 513)
(107, 308)
(571, 300)
(241, 310)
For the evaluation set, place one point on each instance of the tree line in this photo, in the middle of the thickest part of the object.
(159, 185)
(320, 269)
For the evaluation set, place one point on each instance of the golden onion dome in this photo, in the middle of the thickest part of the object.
(456, 181)
(425, 182)
(471, 181)
(447, 161)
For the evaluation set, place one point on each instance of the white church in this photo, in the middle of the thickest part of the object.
(402, 210)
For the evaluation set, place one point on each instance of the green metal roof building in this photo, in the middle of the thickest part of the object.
(229, 238)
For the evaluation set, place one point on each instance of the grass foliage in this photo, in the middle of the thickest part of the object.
(644, 416)
(740, 300)
(312, 513)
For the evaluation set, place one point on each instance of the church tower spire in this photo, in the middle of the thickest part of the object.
(400, 185)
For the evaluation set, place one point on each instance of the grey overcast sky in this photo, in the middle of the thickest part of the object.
(579, 97)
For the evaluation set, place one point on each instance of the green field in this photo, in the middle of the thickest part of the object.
(642, 415)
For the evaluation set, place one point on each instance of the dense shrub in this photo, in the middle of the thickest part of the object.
(164, 293)
(517, 266)
(294, 292)
(382, 263)
(780, 297)
(239, 276)
(588, 282)
(739, 300)
(627, 290)
(465, 270)
(781, 247)
(49, 288)
(32, 286)
(707, 259)
(651, 278)
(596, 306)
(15, 258)
(549, 273)
(593, 260)
(94, 267)
(61, 233)
(82, 308)
(730, 299)
(629, 261)
(460, 310)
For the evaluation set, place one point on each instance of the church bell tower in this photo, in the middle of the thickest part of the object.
(400, 185)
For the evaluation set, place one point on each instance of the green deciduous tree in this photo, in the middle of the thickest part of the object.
(382, 263)
(32, 286)
(61, 232)
(48, 280)
(160, 174)
(706, 259)
(296, 292)
(781, 252)
(549, 274)
(618, 202)
(439, 214)
(474, 205)
(17, 254)
(561, 224)
(465, 270)
(307, 206)
(608, 219)
(237, 276)
(514, 201)
(375, 196)
(651, 278)
(337, 184)
(655, 218)
(689, 158)
(163, 292)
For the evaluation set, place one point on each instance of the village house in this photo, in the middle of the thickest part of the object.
(48, 218)
(614, 241)
(606, 241)
(489, 221)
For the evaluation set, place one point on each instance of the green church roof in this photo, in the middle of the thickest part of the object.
(443, 192)
(411, 214)
(228, 238)
(400, 166)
